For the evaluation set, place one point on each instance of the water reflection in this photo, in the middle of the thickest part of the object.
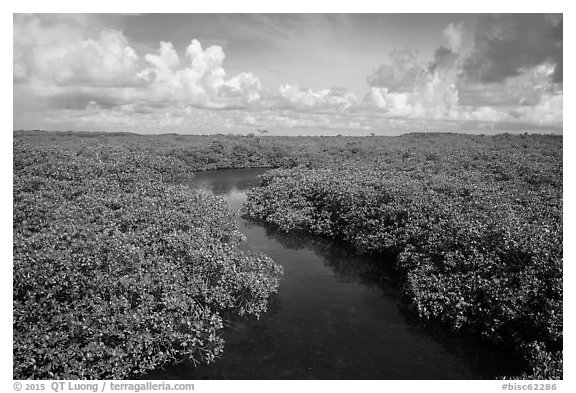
(224, 181)
(347, 266)
(489, 360)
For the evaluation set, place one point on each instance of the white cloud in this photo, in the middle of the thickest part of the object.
(307, 99)
(428, 97)
(57, 58)
(407, 88)
(166, 58)
(524, 89)
(251, 120)
(63, 69)
(107, 61)
(454, 36)
(245, 86)
(403, 74)
(202, 82)
(549, 110)
(62, 55)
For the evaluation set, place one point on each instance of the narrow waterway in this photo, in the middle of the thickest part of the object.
(336, 316)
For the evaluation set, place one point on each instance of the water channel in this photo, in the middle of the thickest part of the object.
(335, 316)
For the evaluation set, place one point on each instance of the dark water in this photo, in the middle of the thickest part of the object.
(336, 316)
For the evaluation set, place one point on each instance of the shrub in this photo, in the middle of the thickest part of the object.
(117, 271)
(477, 233)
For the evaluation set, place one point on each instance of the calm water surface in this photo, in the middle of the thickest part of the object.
(336, 316)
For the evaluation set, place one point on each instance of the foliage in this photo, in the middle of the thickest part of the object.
(118, 271)
(476, 231)
(474, 224)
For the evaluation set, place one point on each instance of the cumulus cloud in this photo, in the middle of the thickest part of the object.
(202, 82)
(515, 67)
(444, 59)
(288, 96)
(510, 74)
(58, 58)
(403, 74)
(45, 52)
(447, 54)
(30, 34)
(506, 45)
(508, 70)
(166, 58)
(106, 61)
(413, 88)
(454, 36)
(525, 89)
(68, 67)
(548, 110)
(245, 86)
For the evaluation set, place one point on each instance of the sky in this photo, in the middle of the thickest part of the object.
(288, 74)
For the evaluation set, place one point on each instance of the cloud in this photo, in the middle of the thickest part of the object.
(524, 89)
(548, 110)
(454, 36)
(415, 89)
(294, 97)
(70, 67)
(202, 82)
(412, 88)
(403, 74)
(249, 120)
(515, 61)
(56, 57)
(67, 68)
(506, 45)
(558, 34)
(107, 61)
(19, 73)
(245, 86)
(166, 58)
(444, 59)
(446, 55)
(61, 55)
(481, 84)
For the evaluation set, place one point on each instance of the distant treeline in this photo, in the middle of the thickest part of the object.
(208, 152)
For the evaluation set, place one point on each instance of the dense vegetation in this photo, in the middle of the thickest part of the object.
(118, 271)
(201, 152)
(476, 231)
